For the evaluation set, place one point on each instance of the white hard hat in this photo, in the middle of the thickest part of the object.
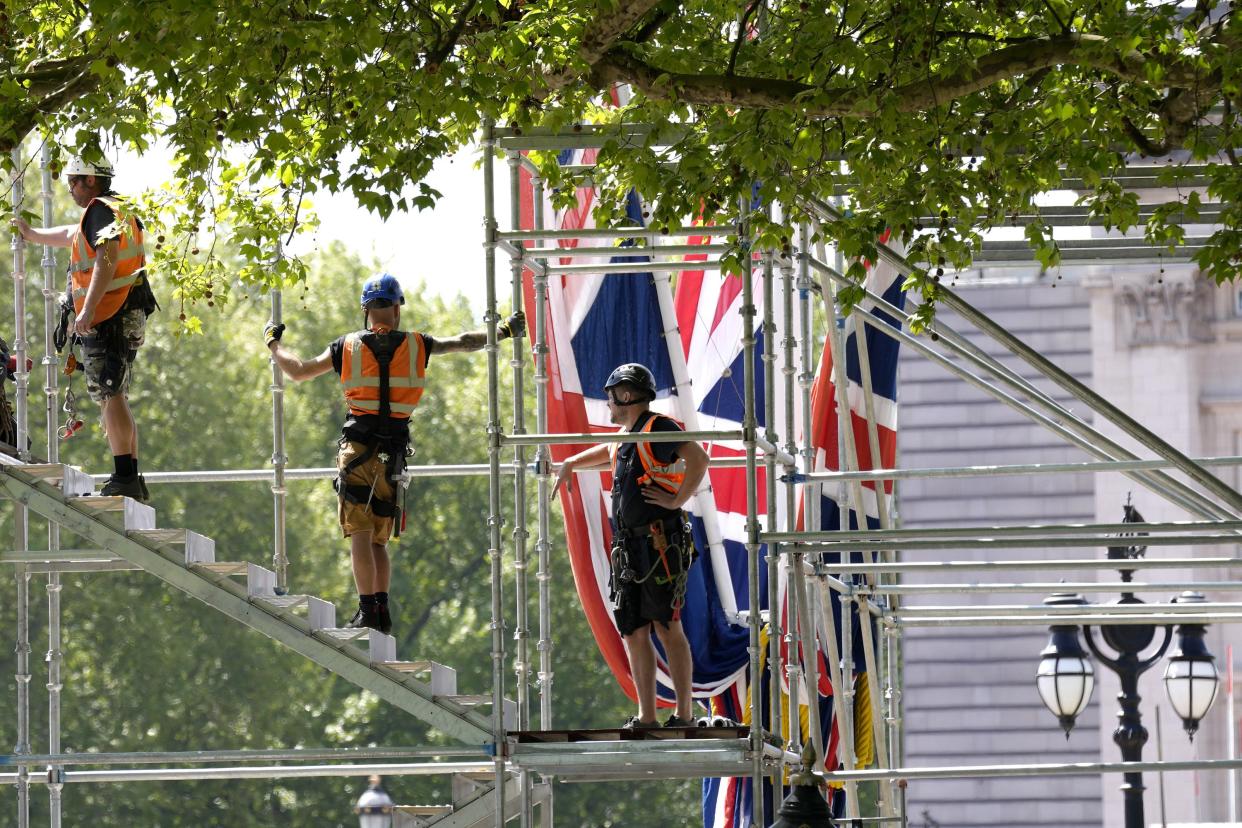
(101, 168)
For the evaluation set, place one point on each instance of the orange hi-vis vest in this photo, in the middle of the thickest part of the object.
(360, 376)
(666, 477)
(130, 266)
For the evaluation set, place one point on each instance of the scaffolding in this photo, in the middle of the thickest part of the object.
(122, 535)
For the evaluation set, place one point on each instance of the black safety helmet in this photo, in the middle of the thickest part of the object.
(632, 373)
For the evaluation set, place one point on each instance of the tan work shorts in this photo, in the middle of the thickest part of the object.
(358, 517)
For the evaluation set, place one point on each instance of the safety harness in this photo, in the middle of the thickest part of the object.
(391, 448)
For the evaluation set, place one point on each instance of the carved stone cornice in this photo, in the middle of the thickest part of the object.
(1175, 306)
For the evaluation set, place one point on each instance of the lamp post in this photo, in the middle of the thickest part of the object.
(374, 808)
(1065, 677)
(805, 807)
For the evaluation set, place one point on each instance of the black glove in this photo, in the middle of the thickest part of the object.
(515, 325)
(272, 333)
(60, 337)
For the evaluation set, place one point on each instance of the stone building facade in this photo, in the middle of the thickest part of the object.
(1165, 346)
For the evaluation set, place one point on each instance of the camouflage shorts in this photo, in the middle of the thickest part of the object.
(109, 365)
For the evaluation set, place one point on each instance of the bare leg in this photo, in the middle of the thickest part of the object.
(642, 665)
(119, 424)
(680, 664)
(379, 558)
(361, 551)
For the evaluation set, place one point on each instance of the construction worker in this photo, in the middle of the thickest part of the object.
(382, 370)
(111, 301)
(651, 544)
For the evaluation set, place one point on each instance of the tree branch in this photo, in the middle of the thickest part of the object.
(653, 23)
(444, 45)
(600, 36)
(1083, 50)
(741, 35)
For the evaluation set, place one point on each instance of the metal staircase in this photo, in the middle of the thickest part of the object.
(247, 592)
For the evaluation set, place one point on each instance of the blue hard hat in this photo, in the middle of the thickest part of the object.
(382, 286)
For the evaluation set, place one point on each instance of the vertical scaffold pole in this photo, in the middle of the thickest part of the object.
(791, 448)
(55, 774)
(494, 519)
(543, 462)
(280, 557)
(769, 467)
(521, 665)
(749, 426)
(21, 536)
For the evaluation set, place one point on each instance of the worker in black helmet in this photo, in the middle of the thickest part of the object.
(652, 548)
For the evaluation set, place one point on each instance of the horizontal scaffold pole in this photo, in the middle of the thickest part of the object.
(950, 567)
(191, 757)
(1048, 620)
(1058, 541)
(1130, 533)
(1016, 469)
(620, 437)
(261, 772)
(1033, 769)
(1049, 586)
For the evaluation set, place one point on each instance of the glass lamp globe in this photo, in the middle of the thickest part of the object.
(1190, 678)
(1065, 679)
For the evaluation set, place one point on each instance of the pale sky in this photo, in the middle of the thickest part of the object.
(441, 247)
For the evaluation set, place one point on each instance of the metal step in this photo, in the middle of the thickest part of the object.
(260, 582)
(382, 647)
(510, 706)
(443, 680)
(423, 810)
(123, 513)
(72, 481)
(197, 549)
(223, 567)
(285, 601)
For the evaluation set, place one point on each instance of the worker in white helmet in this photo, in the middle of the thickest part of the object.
(111, 301)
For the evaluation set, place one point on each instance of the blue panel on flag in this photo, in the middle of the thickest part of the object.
(725, 397)
(622, 326)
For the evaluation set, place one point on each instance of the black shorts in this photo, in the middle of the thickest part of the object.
(657, 586)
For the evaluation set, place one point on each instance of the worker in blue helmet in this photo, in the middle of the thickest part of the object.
(383, 374)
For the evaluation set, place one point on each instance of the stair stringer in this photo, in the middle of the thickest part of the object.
(294, 632)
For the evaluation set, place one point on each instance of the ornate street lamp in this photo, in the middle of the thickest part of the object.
(1065, 678)
(1190, 678)
(1065, 675)
(805, 807)
(374, 808)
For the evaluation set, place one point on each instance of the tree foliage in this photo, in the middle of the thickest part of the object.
(960, 111)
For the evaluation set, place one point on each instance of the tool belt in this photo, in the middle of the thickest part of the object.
(392, 452)
(672, 541)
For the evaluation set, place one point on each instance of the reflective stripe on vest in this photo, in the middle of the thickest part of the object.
(130, 265)
(360, 376)
(666, 477)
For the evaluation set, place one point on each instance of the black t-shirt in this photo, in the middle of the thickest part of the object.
(367, 423)
(629, 510)
(98, 217)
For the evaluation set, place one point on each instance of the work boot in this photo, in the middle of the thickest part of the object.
(676, 721)
(128, 486)
(634, 723)
(384, 619)
(366, 616)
